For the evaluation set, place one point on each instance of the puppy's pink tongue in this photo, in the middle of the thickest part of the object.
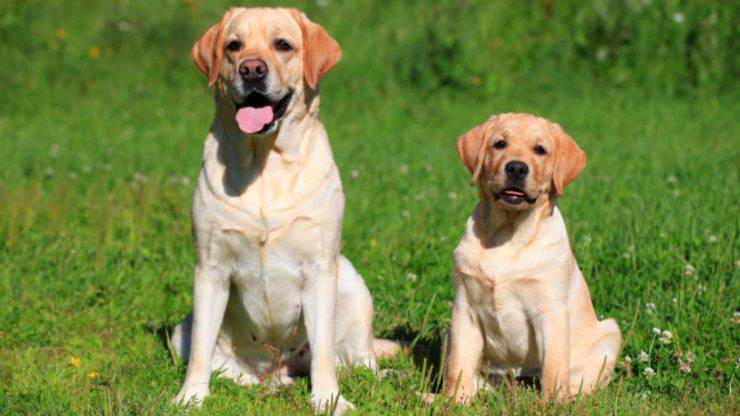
(251, 119)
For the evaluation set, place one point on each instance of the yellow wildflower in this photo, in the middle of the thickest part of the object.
(94, 52)
(74, 362)
(60, 34)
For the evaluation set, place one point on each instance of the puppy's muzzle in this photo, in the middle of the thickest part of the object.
(516, 170)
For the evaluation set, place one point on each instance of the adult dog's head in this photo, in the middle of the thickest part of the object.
(520, 159)
(264, 61)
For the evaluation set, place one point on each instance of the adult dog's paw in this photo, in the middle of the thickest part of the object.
(333, 404)
(191, 395)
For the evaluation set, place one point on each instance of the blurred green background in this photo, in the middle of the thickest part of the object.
(102, 118)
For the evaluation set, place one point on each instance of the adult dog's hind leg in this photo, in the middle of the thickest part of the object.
(354, 329)
(594, 369)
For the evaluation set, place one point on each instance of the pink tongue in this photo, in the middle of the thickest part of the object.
(252, 120)
(513, 192)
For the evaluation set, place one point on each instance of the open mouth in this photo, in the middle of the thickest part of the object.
(513, 196)
(257, 113)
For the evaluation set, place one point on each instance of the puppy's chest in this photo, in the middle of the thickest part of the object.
(498, 287)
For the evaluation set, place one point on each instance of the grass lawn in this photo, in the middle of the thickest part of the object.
(95, 249)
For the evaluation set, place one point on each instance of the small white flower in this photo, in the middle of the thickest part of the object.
(452, 196)
(626, 255)
(185, 181)
(701, 288)
(675, 301)
(712, 239)
(354, 174)
(648, 372)
(404, 169)
(672, 180)
(602, 53)
(627, 359)
(676, 193)
(683, 366)
(48, 172)
(690, 357)
(736, 317)
(411, 277)
(666, 337)
(140, 177)
(678, 18)
(643, 357)
(631, 248)
(322, 4)
(656, 330)
(124, 26)
(737, 264)
(650, 308)
(405, 213)
(587, 240)
(688, 270)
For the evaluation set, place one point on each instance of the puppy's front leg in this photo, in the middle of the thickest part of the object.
(210, 294)
(553, 339)
(319, 308)
(465, 349)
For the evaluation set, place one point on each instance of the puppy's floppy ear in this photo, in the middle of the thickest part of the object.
(320, 51)
(569, 158)
(208, 51)
(471, 147)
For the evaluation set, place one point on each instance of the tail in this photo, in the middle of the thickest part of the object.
(386, 348)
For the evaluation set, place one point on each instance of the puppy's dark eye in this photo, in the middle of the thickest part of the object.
(540, 150)
(234, 45)
(283, 45)
(499, 144)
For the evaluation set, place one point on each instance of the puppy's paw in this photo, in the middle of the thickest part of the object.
(191, 395)
(333, 404)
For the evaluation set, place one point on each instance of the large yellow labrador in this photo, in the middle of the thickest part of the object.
(522, 304)
(272, 295)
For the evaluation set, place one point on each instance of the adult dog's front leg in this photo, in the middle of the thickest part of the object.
(553, 341)
(319, 303)
(210, 294)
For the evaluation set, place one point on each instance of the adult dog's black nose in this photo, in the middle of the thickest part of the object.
(516, 170)
(253, 70)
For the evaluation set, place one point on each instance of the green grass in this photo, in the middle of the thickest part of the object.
(101, 153)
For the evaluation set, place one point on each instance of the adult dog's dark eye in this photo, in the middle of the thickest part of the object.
(540, 150)
(283, 45)
(499, 144)
(234, 45)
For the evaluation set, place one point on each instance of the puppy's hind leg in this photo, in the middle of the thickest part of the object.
(594, 369)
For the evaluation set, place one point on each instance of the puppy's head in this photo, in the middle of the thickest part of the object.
(264, 61)
(520, 159)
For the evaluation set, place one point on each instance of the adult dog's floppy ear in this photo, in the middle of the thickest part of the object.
(569, 158)
(208, 51)
(320, 51)
(471, 147)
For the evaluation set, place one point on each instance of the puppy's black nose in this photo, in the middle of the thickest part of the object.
(253, 70)
(516, 170)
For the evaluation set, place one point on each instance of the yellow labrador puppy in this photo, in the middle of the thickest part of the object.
(522, 305)
(272, 295)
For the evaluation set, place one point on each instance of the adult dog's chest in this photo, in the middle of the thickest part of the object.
(266, 236)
